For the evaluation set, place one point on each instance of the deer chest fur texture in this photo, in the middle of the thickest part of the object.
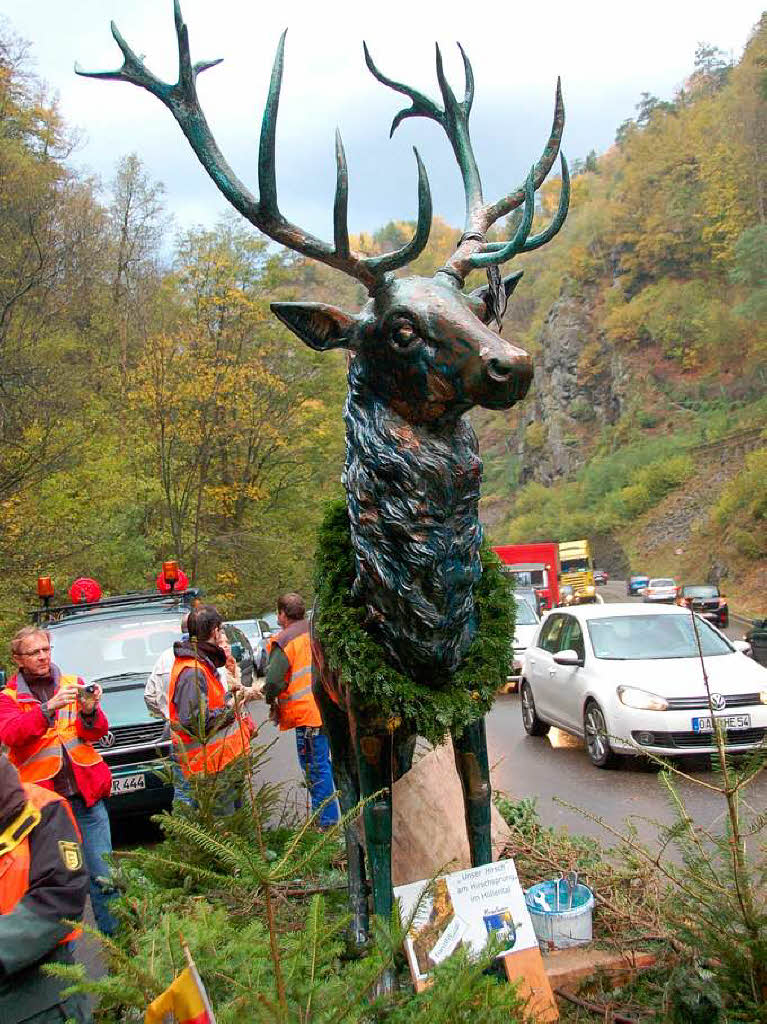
(413, 495)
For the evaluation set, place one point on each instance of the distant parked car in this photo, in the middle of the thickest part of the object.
(525, 629)
(242, 650)
(636, 583)
(660, 590)
(600, 577)
(257, 631)
(628, 679)
(707, 601)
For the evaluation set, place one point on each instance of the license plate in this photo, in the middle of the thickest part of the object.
(730, 722)
(128, 783)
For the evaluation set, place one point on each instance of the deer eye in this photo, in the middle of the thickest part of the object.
(403, 333)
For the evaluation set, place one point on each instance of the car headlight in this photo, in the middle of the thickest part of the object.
(632, 697)
(763, 696)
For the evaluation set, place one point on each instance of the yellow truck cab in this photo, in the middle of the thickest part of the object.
(577, 570)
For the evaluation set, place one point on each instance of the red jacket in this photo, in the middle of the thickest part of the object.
(20, 727)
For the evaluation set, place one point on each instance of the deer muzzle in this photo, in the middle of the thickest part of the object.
(508, 375)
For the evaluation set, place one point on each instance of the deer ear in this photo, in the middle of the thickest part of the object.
(321, 327)
(509, 284)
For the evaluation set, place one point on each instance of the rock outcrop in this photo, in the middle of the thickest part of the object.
(580, 385)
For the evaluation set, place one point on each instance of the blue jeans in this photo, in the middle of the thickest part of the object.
(97, 841)
(314, 758)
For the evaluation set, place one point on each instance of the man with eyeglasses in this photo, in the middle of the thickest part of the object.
(49, 721)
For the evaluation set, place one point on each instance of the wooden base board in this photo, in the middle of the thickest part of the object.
(538, 976)
(527, 969)
(564, 967)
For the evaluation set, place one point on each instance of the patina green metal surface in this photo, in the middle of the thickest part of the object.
(421, 356)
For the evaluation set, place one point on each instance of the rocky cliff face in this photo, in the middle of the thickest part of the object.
(580, 385)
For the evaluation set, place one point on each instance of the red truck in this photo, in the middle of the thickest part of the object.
(536, 566)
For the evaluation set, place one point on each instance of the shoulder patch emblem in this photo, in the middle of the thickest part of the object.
(71, 855)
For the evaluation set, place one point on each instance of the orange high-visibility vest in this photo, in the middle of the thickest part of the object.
(14, 862)
(223, 746)
(41, 759)
(296, 704)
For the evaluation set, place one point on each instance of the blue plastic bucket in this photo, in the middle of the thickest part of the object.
(561, 928)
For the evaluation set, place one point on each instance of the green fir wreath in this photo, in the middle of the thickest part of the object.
(350, 650)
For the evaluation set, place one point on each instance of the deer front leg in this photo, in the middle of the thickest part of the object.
(374, 759)
(471, 761)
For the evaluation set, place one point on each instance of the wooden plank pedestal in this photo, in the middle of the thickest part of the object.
(526, 969)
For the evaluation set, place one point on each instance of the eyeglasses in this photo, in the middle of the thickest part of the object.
(33, 654)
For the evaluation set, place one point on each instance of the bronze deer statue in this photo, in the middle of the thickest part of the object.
(421, 355)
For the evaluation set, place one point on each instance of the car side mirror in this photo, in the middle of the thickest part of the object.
(743, 646)
(568, 657)
(238, 651)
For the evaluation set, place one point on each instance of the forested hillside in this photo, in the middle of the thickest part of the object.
(646, 431)
(153, 408)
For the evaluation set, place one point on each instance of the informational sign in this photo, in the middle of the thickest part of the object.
(462, 909)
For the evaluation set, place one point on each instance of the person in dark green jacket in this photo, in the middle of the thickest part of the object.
(43, 882)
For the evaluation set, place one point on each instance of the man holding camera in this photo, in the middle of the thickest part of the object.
(49, 722)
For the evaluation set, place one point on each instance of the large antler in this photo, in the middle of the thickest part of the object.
(182, 101)
(473, 251)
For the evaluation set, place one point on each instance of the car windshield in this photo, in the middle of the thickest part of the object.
(662, 583)
(649, 637)
(525, 614)
(118, 647)
(701, 591)
(527, 577)
(575, 565)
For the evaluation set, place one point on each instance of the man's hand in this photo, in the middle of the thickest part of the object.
(63, 696)
(88, 701)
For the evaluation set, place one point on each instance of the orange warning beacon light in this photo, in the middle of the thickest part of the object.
(172, 579)
(45, 589)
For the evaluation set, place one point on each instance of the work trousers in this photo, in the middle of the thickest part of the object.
(97, 844)
(314, 758)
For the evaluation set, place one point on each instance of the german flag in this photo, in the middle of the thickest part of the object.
(184, 1002)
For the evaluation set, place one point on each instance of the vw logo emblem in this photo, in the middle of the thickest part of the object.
(108, 740)
(718, 703)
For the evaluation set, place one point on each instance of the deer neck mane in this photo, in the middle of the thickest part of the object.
(413, 496)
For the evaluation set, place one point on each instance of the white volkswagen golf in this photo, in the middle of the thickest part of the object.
(628, 679)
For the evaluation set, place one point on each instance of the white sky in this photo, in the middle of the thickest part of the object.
(606, 52)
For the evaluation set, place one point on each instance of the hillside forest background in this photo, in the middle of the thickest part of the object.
(151, 407)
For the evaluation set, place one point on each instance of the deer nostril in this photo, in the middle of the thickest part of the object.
(499, 369)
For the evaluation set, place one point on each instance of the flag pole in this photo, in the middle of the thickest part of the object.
(198, 980)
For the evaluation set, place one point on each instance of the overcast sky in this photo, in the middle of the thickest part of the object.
(606, 52)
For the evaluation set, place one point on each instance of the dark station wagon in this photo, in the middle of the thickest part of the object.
(115, 642)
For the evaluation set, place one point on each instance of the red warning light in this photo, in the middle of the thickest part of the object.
(85, 591)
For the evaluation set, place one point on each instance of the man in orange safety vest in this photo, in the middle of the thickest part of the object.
(288, 691)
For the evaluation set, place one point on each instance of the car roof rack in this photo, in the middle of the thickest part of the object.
(55, 613)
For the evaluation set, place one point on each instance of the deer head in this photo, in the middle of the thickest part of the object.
(423, 344)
